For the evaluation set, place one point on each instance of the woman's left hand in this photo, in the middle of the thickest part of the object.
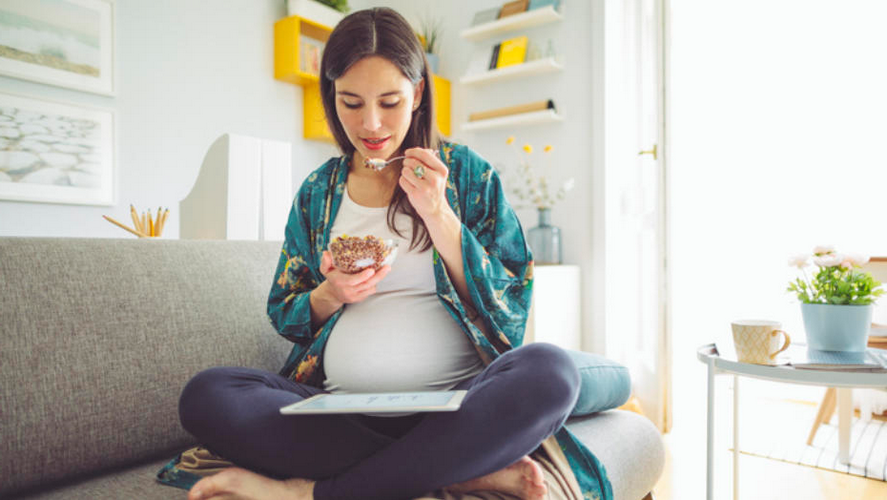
(428, 193)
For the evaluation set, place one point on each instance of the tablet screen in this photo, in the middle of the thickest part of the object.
(389, 402)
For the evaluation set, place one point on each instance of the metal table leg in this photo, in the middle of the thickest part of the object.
(735, 437)
(710, 433)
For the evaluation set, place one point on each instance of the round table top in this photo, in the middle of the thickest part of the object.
(783, 373)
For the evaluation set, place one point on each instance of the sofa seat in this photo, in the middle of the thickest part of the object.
(625, 442)
(99, 336)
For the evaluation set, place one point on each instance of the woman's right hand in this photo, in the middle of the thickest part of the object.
(341, 288)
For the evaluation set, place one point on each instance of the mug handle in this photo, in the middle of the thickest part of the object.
(788, 341)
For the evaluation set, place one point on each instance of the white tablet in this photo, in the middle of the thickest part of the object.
(381, 402)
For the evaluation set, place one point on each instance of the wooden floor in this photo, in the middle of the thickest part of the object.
(759, 478)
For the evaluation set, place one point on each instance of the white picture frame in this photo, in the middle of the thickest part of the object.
(66, 43)
(53, 152)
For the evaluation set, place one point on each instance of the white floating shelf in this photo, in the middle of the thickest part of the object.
(532, 118)
(537, 67)
(535, 17)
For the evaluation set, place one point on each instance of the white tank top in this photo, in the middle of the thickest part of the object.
(401, 338)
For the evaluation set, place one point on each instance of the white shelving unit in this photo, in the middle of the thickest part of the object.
(522, 21)
(537, 67)
(527, 19)
(532, 118)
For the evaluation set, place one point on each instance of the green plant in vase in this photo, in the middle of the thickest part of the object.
(340, 5)
(430, 32)
(836, 304)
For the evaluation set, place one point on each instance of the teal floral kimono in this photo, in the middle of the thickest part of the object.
(498, 268)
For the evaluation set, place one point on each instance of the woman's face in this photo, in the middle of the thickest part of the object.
(375, 103)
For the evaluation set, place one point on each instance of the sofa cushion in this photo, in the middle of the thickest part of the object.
(627, 443)
(629, 446)
(100, 336)
(135, 482)
(604, 384)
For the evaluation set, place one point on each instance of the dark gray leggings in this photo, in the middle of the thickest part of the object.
(519, 400)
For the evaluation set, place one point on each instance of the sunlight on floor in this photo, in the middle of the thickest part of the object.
(759, 478)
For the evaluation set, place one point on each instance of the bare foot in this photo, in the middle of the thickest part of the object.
(235, 483)
(522, 479)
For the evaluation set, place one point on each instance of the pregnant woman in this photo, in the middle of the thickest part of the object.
(449, 313)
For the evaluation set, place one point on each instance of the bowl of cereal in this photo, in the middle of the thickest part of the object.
(352, 254)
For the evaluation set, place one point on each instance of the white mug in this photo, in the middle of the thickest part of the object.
(757, 341)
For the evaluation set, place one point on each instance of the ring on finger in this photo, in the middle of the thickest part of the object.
(419, 171)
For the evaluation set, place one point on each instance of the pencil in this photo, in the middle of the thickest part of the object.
(112, 221)
(150, 224)
(135, 218)
(144, 224)
(163, 220)
(157, 222)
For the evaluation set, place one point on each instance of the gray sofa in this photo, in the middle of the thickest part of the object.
(99, 336)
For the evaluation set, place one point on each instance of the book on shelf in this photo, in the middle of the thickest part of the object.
(512, 8)
(806, 358)
(512, 51)
(512, 110)
(494, 58)
(485, 16)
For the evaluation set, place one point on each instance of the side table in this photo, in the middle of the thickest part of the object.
(844, 380)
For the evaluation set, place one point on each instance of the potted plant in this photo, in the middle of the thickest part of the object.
(430, 30)
(325, 12)
(837, 303)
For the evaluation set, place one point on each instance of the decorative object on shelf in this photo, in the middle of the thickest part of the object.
(325, 12)
(529, 19)
(512, 51)
(532, 188)
(836, 304)
(55, 153)
(243, 191)
(430, 30)
(545, 240)
(538, 4)
(144, 225)
(485, 16)
(512, 110)
(311, 50)
(512, 8)
(40, 44)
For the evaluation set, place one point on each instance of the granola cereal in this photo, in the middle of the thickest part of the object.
(353, 254)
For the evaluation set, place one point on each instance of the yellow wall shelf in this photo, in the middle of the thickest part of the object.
(287, 68)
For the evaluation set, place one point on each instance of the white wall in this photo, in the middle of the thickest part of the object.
(187, 72)
(777, 136)
(577, 38)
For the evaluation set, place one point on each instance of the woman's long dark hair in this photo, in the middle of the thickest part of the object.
(385, 33)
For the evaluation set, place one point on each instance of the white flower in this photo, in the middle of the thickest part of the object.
(823, 249)
(828, 260)
(857, 259)
(800, 260)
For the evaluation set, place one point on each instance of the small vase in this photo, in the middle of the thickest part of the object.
(545, 240)
(434, 62)
(832, 327)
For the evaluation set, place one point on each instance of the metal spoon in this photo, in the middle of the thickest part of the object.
(378, 164)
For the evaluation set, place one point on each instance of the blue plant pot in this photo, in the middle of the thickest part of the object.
(837, 328)
(434, 62)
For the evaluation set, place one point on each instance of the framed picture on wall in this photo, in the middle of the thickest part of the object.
(54, 152)
(68, 43)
